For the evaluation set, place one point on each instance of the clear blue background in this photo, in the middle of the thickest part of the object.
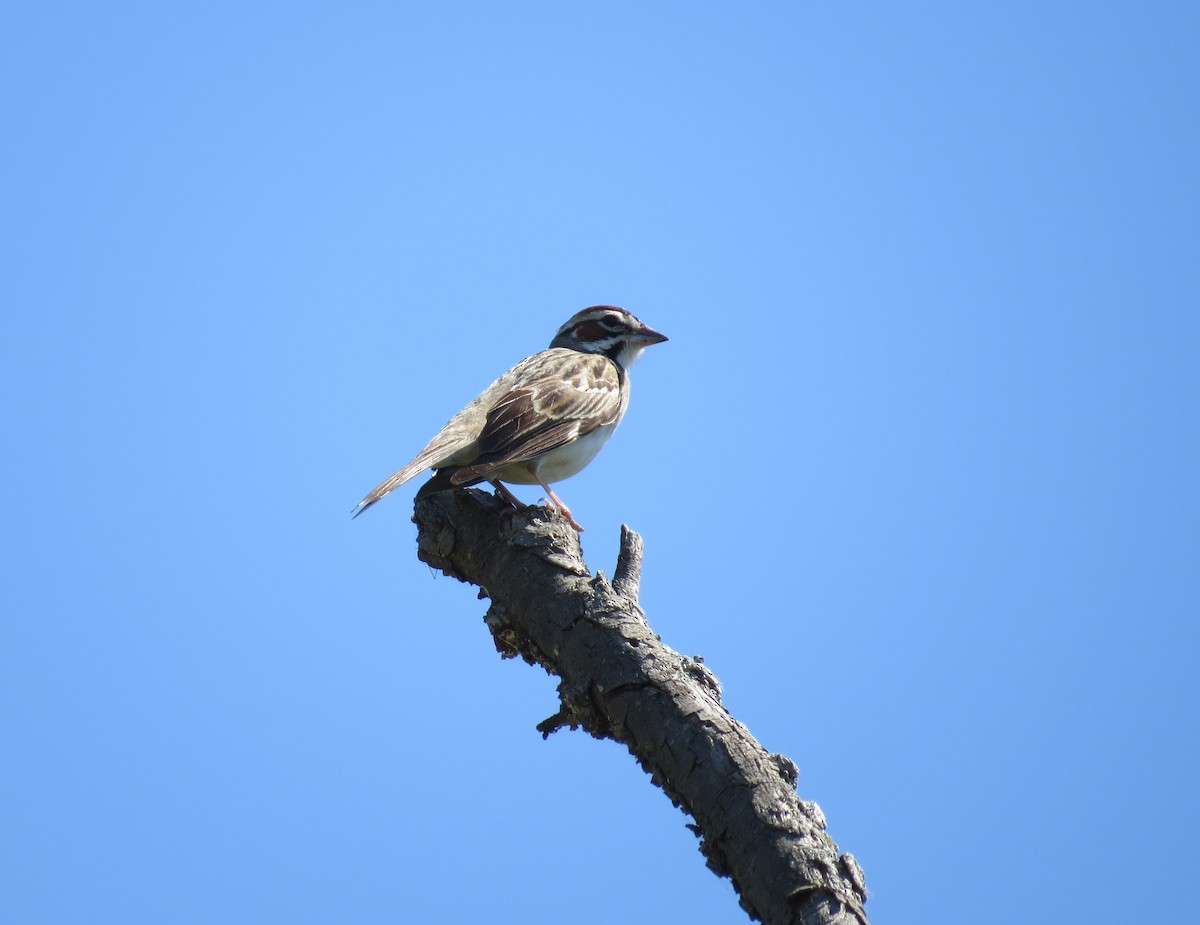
(917, 472)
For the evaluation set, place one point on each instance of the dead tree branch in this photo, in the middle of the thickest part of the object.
(618, 681)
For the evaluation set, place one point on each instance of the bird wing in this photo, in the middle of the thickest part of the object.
(506, 422)
(571, 395)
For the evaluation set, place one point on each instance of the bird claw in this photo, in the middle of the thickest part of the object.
(566, 515)
(577, 527)
(563, 510)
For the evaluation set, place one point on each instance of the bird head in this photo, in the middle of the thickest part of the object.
(608, 330)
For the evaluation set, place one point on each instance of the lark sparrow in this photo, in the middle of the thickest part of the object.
(544, 419)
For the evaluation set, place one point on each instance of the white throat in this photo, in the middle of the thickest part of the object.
(629, 354)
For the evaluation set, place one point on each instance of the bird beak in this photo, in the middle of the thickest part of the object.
(647, 335)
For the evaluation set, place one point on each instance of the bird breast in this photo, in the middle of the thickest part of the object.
(561, 462)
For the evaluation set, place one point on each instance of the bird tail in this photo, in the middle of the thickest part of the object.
(395, 480)
(439, 452)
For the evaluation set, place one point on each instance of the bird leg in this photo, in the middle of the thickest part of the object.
(562, 508)
(502, 491)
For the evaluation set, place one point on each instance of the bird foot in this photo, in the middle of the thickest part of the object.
(564, 512)
(555, 504)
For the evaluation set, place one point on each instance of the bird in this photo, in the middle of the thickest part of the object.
(543, 420)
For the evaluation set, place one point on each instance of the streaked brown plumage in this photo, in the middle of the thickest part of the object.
(544, 419)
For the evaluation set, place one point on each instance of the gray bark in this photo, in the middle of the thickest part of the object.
(618, 681)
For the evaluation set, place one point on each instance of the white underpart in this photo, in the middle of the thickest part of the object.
(563, 462)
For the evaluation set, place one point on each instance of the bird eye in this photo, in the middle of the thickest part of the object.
(611, 323)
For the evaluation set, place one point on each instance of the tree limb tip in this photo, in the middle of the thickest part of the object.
(627, 577)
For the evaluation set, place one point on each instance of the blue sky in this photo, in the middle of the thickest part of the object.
(916, 472)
